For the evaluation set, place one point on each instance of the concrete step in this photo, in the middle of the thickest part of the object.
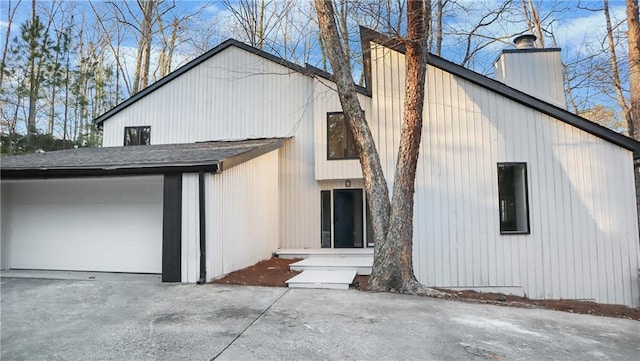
(323, 252)
(361, 265)
(339, 280)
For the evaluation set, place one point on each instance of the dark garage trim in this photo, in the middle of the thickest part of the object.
(44, 173)
(172, 228)
(202, 221)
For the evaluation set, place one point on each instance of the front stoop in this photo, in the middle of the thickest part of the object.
(362, 265)
(337, 271)
(339, 280)
(323, 252)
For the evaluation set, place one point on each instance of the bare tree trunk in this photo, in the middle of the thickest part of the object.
(617, 84)
(261, 26)
(439, 11)
(374, 181)
(392, 221)
(120, 67)
(65, 123)
(532, 19)
(10, 14)
(344, 28)
(633, 116)
(141, 77)
(33, 79)
(393, 268)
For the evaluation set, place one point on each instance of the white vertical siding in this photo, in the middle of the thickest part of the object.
(190, 240)
(583, 242)
(237, 95)
(242, 215)
(233, 95)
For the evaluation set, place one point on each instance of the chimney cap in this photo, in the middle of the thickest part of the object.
(525, 41)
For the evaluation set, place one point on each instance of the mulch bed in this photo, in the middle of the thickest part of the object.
(270, 273)
(275, 271)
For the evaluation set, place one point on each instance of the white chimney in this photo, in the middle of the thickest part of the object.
(535, 71)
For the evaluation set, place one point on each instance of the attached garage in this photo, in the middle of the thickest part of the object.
(110, 224)
(140, 209)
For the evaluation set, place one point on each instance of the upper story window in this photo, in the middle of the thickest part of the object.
(137, 135)
(512, 198)
(340, 142)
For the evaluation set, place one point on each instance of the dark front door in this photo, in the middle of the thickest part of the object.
(347, 218)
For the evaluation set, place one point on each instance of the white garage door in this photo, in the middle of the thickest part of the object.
(92, 224)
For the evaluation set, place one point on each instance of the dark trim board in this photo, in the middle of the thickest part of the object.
(172, 228)
(105, 172)
(202, 219)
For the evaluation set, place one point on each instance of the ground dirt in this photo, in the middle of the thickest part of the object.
(270, 273)
(275, 271)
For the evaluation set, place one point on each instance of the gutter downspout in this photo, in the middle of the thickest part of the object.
(202, 220)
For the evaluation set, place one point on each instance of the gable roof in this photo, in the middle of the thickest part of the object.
(135, 160)
(367, 36)
(307, 70)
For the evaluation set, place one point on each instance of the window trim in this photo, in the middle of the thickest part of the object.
(326, 226)
(346, 127)
(526, 198)
(138, 129)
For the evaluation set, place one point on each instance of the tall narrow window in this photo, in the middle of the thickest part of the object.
(137, 135)
(512, 198)
(325, 236)
(340, 143)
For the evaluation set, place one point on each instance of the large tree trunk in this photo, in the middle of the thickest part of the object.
(633, 115)
(141, 75)
(33, 79)
(613, 58)
(392, 222)
(11, 12)
(393, 264)
(374, 181)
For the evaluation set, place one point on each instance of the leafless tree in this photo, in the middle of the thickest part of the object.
(11, 12)
(633, 116)
(259, 20)
(615, 74)
(392, 219)
(633, 34)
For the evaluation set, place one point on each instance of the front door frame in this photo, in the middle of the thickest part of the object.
(365, 217)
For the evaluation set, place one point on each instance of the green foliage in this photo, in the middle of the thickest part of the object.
(37, 143)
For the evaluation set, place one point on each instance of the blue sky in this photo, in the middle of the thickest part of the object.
(577, 31)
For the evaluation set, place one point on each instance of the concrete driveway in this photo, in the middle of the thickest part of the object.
(142, 319)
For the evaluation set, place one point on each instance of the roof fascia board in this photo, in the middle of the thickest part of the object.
(231, 162)
(527, 50)
(368, 36)
(213, 167)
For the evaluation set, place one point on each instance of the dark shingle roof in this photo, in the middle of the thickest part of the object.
(211, 156)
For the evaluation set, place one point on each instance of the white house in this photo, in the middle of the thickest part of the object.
(244, 153)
